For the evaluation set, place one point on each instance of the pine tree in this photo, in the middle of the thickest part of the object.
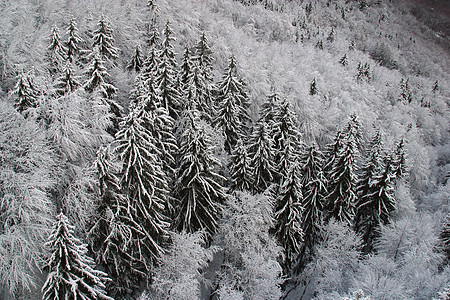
(104, 40)
(186, 69)
(374, 191)
(166, 77)
(233, 104)
(56, 50)
(287, 138)
(342, 176)
(140, 225)
(313, 88)
(240, 169)
(73, 41)
(288, 213)
(98, 76)
(202, 57)
(68, 81)
(71, 274)
(314, 191)
(344, 60)
(198, 188)
(25, 92)
(405, 92)
(261, 154)
(136, 61)
(398, 160)
(151, 35)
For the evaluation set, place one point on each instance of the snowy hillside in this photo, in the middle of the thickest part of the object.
(224, 149)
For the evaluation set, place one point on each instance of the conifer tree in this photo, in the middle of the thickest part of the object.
(261, 154)
(68, 81)
(202, 57)
(25, 92)
(98, 76)
(71, 273)
(150, 66)
(73, 40)
(314, 192)
(166, 77)
(344, 60)
(233, 104)
(241, 171)
(341, 196)
(104, 40)
(398, 160)
(288, 213)
(435, 88)
(405, 92)
(445, 237)
(313, 88)
(136, 61)
(56, 51)
(186, 69)
(287, 138)
(139, 228)
(198, 188)
(151, 35)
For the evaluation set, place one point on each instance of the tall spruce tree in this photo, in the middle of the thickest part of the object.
(166, 77)
(25, 92)
(288, 213)
(203, 58)
(287, 138)
(151, 35)
(68, 82)
(241, 171)
(233, 105)
(398, 159)
(445, 237)
(56, 51)
(261, 154)
(104, 40)
(314, 191)
(135, 63)
(341, 196)
(186, 69)
(141, 220)
(71, 270)
(198, 188)
(73, 41)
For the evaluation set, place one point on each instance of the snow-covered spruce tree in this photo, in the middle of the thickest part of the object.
(140, 224)
(375, 194)
(186, 69)
(73, 41)
(198, 187)
(98, 80)
(405, 92)
(331, 153)
(341, 196)
(151, 36)
(261, 155)
(269, 111)
(241, 171)
(313, 88)
(233, 107)
(398, 160)
(179, 274)
(199, 94)
(56, 51)
(250, 269)
(68, 82)
(25, 92)
(71, 270)
(25, 206)
(288, 213)
(314, 191)
(103, 39)
(161, 125)
(166, 74)
(203, 58)
(135, 63)
(287, 138)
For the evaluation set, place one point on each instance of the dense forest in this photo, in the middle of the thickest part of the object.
(224, 149)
